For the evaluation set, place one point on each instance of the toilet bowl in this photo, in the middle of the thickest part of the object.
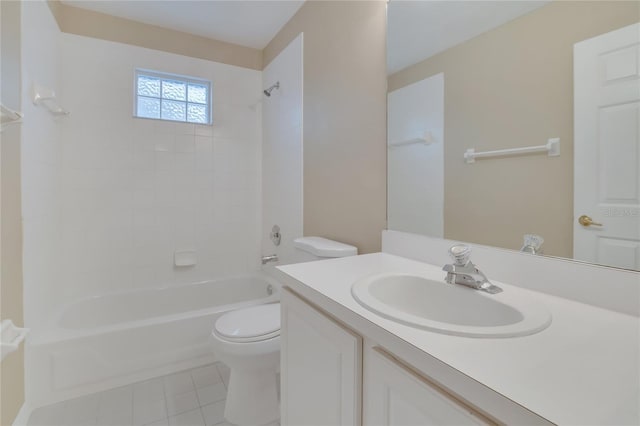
(248, 341)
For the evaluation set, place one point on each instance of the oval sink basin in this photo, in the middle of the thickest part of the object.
(449, 308)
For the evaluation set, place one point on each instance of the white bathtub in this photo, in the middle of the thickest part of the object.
(116, 339)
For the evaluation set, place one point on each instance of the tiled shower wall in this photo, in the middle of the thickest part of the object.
(136, 190)
(133, 191)
(40, 164)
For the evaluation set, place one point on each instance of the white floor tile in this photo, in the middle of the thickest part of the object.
(163, 422)
(82, 411)
(177, 404)
(148, 391)
(190, 418)
(116, 418)
(225, 372)
(213, 413)
(118, 400)
(148, 412)
(211, 394)
(206, 376)
(178, 383)
(170, 400)
(72, 419)
(221, 366)
(50, 415)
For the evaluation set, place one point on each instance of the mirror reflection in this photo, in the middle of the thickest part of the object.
(516, 124)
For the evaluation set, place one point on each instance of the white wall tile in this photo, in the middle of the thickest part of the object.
(42, 157)
(204, 144)
(164, 161)
(121, 194)
(185, 143)
(164, 141)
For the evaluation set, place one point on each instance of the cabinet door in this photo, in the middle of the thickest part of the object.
(394, 395)
(321, 370)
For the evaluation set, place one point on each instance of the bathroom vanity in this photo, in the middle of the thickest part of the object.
(343, 364)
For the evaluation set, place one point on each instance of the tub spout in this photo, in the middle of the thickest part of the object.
(267, 259)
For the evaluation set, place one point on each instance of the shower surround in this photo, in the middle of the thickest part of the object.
(109, 198)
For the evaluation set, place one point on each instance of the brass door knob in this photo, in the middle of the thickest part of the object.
(585, 220)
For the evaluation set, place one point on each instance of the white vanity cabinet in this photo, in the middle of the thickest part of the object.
(322, 367)
(321, 374)
(396, 395)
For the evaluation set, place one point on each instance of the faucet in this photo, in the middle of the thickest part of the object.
(532, 244)
(271, 258)
(463, 272)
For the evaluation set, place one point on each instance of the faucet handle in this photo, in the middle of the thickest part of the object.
(460, 253)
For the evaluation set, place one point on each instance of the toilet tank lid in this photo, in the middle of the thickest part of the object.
(323, 247)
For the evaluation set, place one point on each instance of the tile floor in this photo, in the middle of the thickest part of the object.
(190, 398)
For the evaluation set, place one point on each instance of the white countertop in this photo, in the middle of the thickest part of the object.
(583, 369)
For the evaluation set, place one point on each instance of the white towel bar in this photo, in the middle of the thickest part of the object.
(552, 148)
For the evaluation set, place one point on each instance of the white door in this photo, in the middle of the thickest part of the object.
(321, 368)
(396, 396)
(607, 148)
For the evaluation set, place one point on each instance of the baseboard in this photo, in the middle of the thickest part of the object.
(23, 416)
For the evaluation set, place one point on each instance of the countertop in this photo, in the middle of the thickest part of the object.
(583, 369)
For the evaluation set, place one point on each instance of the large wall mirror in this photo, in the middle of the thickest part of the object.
(515, 118)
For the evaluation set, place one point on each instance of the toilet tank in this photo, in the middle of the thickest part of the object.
(316, 248)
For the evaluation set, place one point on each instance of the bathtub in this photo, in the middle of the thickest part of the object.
(103, 342)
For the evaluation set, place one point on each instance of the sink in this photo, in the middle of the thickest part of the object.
(453, 309)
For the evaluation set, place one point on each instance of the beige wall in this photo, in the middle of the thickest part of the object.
(344, 118)
(88, 23)
(511, 87)
(12, 367)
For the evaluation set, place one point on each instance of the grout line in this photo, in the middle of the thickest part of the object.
(132, 402)
(164, 392)
(166, 401)
(195, 388)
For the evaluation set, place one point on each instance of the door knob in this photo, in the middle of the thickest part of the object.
(585, 220)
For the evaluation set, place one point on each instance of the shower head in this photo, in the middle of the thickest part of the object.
(270, 89)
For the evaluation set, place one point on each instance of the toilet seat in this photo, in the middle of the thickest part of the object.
(253, 324)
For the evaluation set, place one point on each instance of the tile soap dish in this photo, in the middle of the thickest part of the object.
(11, 337)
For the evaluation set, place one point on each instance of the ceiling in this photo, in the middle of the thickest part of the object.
(243, 22)
(417, 29)
(420, 29)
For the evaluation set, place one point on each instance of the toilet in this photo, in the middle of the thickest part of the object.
(248, 341)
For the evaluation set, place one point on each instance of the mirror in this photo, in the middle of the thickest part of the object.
(495, 80)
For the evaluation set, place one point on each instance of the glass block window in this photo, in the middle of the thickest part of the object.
(163, 96)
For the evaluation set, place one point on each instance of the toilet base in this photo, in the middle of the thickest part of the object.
(252, 397)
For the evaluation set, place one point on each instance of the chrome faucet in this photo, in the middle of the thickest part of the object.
(532, 244)
(271, 258)
(463, 272)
